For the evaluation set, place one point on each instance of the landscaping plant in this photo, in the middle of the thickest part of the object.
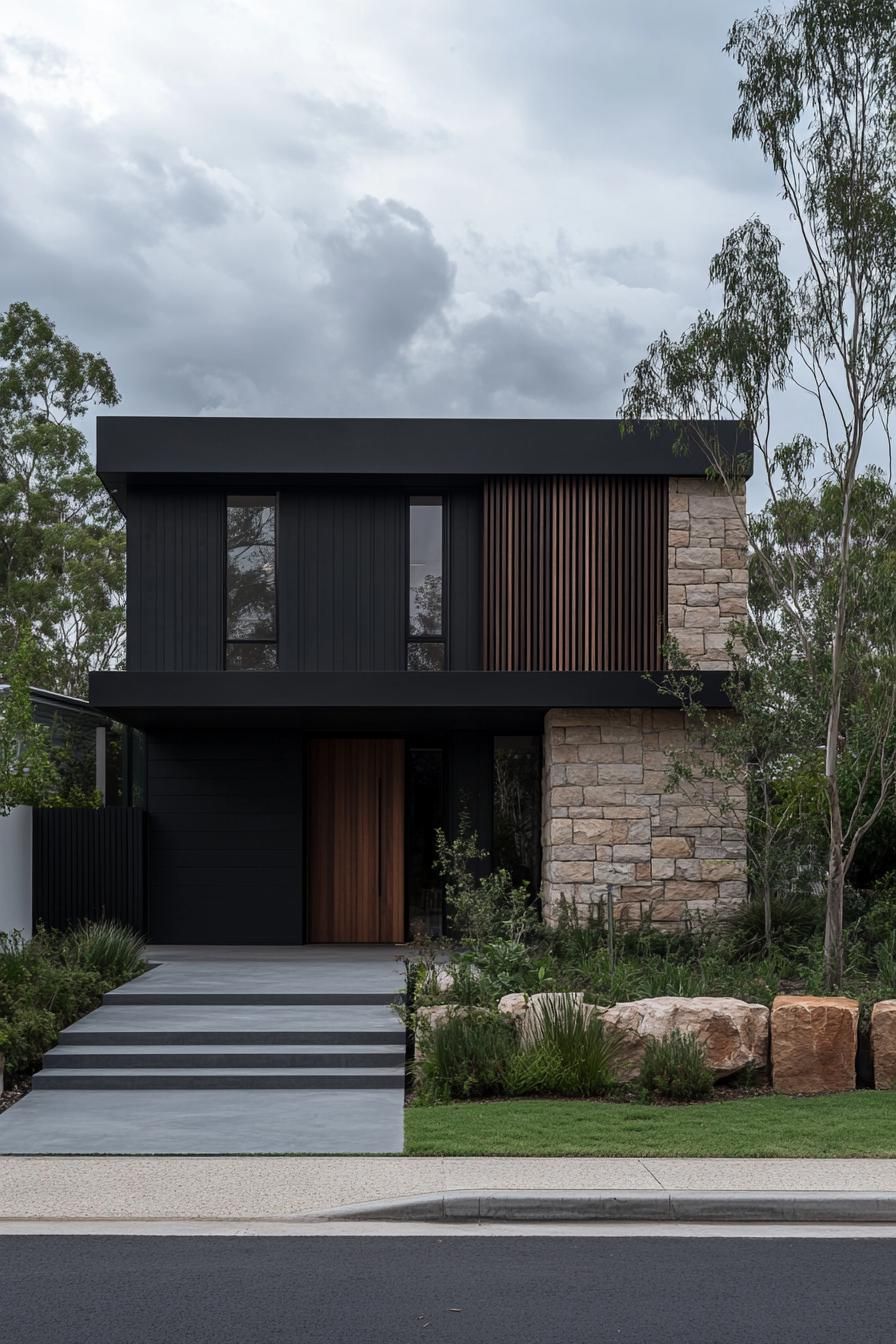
(54, 979)
(569, 1054)
(469, 1055)
(675, 1068)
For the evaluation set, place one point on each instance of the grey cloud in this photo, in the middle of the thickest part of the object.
(387, 277)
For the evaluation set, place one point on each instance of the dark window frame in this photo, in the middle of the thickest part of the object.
(410, 636)
(274, 640)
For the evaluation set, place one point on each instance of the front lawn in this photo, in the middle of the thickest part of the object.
(854, 1124)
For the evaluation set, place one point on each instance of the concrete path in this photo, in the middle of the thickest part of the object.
(273, 1188)
(228, 1050)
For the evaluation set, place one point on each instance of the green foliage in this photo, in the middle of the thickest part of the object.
(817, 91)
(28, 774)
(570, 1055)
(470, 1055)
(482, 907)
(52, 980)
(675, 1068)
(61, 536)
(106, 948)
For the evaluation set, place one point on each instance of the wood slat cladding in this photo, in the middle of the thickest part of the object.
(574, 573)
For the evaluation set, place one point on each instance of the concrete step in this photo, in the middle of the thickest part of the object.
(269, 1055)
(270, 998)
(321, 1079)
(203, 1024)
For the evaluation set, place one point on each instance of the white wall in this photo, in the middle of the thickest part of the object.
(15, 871)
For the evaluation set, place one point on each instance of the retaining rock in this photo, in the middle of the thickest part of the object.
(814, 1044)
(883, 1043)
(733, 1033)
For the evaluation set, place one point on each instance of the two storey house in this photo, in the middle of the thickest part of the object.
(345, 634)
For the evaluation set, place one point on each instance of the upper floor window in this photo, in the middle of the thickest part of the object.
(426, 630)
(251, 632)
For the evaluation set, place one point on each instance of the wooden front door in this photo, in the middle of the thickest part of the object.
(356, 840)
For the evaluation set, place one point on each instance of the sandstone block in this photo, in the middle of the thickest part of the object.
(883, 1043)
(814, 1044)
(733, 1033)
(672, 847)
(514, 1005)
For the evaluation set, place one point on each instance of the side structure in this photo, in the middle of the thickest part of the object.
(608, 819)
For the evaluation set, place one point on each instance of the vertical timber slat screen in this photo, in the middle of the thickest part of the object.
(574, 573)
(89, 863)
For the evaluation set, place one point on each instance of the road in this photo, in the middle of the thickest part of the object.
(500, 1290)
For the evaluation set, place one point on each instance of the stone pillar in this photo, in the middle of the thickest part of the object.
(608, 820)
(707, 569)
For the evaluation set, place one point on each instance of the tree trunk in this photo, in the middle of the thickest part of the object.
(833, 921)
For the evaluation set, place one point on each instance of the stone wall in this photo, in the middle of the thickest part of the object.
(707, 569)
(608, 820)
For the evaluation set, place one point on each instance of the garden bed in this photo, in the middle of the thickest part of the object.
(856, 1124)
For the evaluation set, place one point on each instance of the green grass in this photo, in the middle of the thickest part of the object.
(855, 1124)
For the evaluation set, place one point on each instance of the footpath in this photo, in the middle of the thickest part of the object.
(84, 1190)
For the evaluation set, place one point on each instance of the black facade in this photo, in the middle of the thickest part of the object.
(320, 640)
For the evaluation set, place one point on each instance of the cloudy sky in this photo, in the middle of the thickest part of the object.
(384, 207)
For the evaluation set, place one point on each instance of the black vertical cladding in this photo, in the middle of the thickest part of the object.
(225, 843)
(464, 543)
(343, 578)
(88, 863)
(175, 571)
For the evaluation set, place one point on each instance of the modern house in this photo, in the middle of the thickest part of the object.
(343, 634)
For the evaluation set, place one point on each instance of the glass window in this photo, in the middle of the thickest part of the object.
(426, 656)
(517, 808)
(251, 583)
(426, 647)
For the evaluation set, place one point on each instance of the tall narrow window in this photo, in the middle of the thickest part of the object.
(251, 583)
(426, 631)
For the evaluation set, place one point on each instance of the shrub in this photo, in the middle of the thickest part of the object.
(570, 1054)
(468, 1056)
(675, 1068)
(112, 951)
(485, 908)
(54, 979)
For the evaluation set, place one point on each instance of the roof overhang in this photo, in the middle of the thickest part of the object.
(328, 701)
(253, 452)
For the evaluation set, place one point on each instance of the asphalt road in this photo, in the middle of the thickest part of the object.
(520, 1290)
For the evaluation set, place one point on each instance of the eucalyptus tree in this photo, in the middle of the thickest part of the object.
(818, 93)
(61, 537)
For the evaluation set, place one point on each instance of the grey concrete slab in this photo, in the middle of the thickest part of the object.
(191, 1023)
(274, 972)
(210, 1122)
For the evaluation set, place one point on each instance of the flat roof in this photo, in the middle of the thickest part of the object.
(133, 450)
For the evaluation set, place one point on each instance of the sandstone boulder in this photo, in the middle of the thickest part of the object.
(733, 1033)
(814, 1044)
(515, 1006)
(883, 1043)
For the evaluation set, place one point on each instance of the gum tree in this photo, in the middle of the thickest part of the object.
(818, 93)
(61, 537)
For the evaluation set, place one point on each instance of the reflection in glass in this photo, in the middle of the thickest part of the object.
(251, 582)
(517, 808)
(250, 657)
(426, 656)
(425, 605)
(425, 812)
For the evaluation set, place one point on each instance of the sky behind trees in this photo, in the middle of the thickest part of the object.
(339, 207)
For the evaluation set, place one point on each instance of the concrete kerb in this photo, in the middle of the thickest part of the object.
(662, 1206)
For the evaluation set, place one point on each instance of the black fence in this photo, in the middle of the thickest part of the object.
(89, 863)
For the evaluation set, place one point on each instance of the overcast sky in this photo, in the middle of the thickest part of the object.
(383, 207)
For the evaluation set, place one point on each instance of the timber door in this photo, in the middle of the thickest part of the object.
(356, 840)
